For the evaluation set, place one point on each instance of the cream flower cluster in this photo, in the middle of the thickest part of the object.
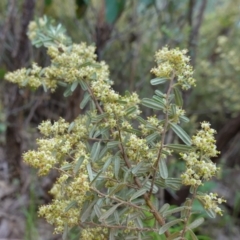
(205, 141)
(211, 202)
(57, 144)
(66, 191)
(94, 234)
(174, 62)
(199, 167)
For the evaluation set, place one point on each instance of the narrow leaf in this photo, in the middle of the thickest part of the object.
(178, 97)
(196, 223)
(160, 94)
(163, 169)
(70, 205)
(151, 103)
(174, 109)
(130, 110)
(78, 165)
(165, 227)
(157, 81)
(95, 151)
(97, 211)
(106, 164)
(85, 100)
(152, 137)
(87, 212)
(109, 212)
(179, 147)
(84, 86)
(90, 173)
(184, 212)
(66, 167)
(174, 210)
(193, 236)
(67, 92)
(65, 232)
(74, 86)
(138, 194)
(164, 208)
(96, 177)
(181, 134)
(112, 144)
(116, 166)
(71, 126)
(184, 119)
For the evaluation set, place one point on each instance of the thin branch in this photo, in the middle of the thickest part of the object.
(163, 137)
(188, 214)
(119, 200)
(92, 224)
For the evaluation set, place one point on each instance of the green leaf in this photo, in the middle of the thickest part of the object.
(196, 223)
(116, 166)
(141, 120)
(72, 204)
(107, 163)
(67, 92)
(152, 137)
(65, 232)
(178, 97)
(97, 211)
(157, 81)
(44, 86)
(160, 94)
(174, 109)
(130, 110)
(117, 188)
(160, 100)
(87, 212)
(210, 213)
(181, 134)
(113, 9)
(109, 212)
(151, 103)
(61, 83)
(148, 185)
(184, 212)
(103, 152)
(96, 177)
(138, 194)
(193, 236)
(90, 173)
(179, 147)
(84, 85)
(165, 227)
(184, 119)
(78, 164)
(112, 144)
(74, 86)
(85, 100)
(174, 210)
(66, 167)
(136, 168)
(71, 126)
(164, 208)
(95, 151)
(163, 170)
(112, 234)
(173, 183)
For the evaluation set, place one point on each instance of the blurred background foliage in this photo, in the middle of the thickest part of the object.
(126, 35)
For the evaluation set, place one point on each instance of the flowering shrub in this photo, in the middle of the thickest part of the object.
(111, 161)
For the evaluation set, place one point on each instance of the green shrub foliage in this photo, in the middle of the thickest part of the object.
(112, 161)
